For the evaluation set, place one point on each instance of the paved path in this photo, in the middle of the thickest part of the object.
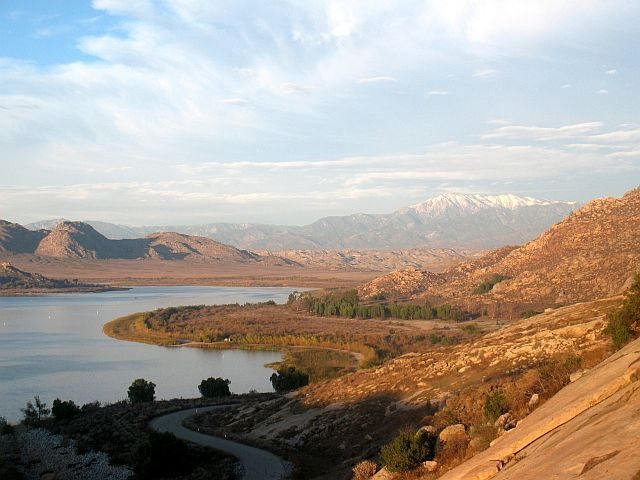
(257, 464)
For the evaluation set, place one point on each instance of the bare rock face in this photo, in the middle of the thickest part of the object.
(588, 430)
(589, 255)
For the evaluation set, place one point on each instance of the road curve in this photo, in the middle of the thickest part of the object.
(257, 464)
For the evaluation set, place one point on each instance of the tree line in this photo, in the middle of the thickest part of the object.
(346, 304)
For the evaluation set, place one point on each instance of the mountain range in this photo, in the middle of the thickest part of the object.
(468, 221)
(592, 254)
(78, 240)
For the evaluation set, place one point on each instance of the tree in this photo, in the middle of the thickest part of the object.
(141, 391)
(34, 414)
(5, 428)
(64, 409)
(215, 387)
(288, 379)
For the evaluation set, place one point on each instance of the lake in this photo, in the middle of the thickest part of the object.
(53, 346)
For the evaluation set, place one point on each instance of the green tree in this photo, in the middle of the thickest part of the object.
(141, 390)
(62, 410)
(5, 428)
(408, 450)
(288, 379)
(34, 414)
(215, 387)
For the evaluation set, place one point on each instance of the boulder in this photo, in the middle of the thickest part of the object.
(452, 432)
(533, 401)
(430, 466)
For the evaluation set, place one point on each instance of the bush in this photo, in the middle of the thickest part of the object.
(35, 414)
(215, 387)
(364, 470)
(162, 456)
(62, 410)
(288, 379)
(407, 451)
(495, 405)
(141, 391)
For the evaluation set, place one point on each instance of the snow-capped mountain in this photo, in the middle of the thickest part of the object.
(471, 203)
(471, 221)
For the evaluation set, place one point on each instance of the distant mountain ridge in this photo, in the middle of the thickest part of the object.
(466, 221)
(78, 240)
(591, 254)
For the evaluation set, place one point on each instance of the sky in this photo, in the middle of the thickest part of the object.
(153, 112)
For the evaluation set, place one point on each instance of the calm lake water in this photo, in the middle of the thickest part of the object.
(53, 346)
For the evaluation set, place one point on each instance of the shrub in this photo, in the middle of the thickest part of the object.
(489, 283)
(163, 455)
(407, 451)
(62, 410)
(35, 414)
(364, 470)
(495, 405)
(141, 391)
(288, 379)
(471, 329)
(215, 387)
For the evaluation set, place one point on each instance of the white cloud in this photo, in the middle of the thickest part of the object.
(438, 93)
(376, 79)
(485, 73)
(603, 91)
(544, 133)
(566, 85)
(613, 71)
(235, 101)
(288, 88)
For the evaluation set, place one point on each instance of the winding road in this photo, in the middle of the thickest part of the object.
(257, 464)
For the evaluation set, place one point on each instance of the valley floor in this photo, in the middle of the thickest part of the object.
(167, 272)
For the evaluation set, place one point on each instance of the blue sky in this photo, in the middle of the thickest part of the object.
(191, 111)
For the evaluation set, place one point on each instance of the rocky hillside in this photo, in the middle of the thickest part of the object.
(591, 254)
(78, 240)
(589, 430)
(346, 419)
(14, 238)
(461, 221)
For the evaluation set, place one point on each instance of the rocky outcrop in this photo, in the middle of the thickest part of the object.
(589, 430)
